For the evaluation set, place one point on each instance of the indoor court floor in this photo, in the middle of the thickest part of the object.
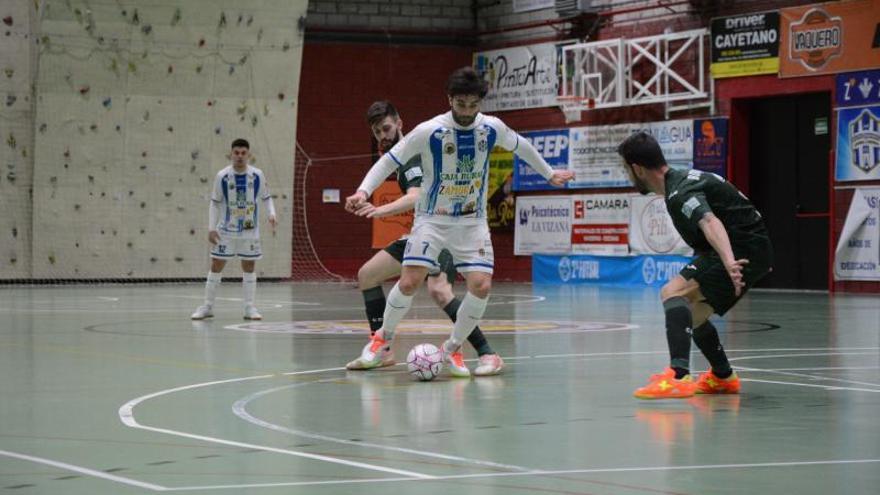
(111, 389)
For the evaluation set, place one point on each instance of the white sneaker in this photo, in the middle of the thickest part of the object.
(373, 354)
(251, 313)
(455, 361)
(387, 360)
(203, 311)
(490, 364)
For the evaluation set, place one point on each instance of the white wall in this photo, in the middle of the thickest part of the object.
(134, 117)
(17, 56)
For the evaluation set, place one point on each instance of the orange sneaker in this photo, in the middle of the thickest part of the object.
(708, 383)
(665, 386)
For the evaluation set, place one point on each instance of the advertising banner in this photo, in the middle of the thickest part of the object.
(857, 256)
(543, 225)
(858, 88)
(594, 158)
(651, 230)
(745, 45)
(858, 144)
(500, 208)
(829, 37)
(642, 271)
(553, 145)
(710, 145)
(519, 77)
(600, 224)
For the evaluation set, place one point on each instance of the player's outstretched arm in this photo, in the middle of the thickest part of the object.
(402, 204)
(717, 236)
(374, 178)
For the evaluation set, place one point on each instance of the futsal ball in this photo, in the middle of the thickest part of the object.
(424, 362)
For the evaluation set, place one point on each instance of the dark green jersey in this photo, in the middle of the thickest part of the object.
(690, 194)
(410, 175)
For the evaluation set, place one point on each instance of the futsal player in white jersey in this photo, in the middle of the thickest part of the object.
(451, 209)
(234, 228)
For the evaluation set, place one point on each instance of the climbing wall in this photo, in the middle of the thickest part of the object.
(137, 104)
(17, 57)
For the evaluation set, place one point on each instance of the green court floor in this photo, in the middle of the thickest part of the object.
(113, 390)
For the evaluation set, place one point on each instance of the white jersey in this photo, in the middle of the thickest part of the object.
(237, 196)
(455, 163)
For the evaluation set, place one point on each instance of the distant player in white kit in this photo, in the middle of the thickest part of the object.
(233, 226)
(451, 209)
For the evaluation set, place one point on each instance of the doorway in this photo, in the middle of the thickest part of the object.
(789, 149)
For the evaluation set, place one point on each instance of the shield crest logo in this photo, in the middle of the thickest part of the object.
(864, 138)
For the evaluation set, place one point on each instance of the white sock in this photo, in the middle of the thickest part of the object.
(396, 307)
(249, 284)
(211, 287)
(469, 314)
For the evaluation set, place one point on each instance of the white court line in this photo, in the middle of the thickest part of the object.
(799, 384)
(126, 415)
(830, 368)
(813, 377)
(83, 470)
(240, 410)
(832, 462)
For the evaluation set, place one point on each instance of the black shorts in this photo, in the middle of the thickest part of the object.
(396, 249)
(708, 270)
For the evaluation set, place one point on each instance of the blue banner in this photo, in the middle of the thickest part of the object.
(647, 270)
(553, 145)
(858, 88)
(710, 145)
(858, 144)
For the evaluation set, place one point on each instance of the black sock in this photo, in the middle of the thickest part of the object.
(678, 334)
(374, 302)
(706, 338)
(476, 338)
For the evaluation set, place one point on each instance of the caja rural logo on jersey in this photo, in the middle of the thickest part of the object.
(815, 39)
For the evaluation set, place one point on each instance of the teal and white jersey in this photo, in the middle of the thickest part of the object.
(237, 196)
(455, 163)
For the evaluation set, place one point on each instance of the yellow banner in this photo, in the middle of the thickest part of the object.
(745, 68)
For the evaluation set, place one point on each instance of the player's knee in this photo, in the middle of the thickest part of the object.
(366, 280)
(481, 288)
(669, 290)
(408, 285)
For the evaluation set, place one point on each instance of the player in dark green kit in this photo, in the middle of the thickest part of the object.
(387, 128)
(733, 251)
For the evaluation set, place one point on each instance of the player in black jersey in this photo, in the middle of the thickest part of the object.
(733, 251)
(386, 125)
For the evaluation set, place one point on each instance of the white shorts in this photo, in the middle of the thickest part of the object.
(230, 247)
(470, 246)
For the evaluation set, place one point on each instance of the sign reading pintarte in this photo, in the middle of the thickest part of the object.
(519, 77)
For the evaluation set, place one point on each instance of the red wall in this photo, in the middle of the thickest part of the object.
(338, 82)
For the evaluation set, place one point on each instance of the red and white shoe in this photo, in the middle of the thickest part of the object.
(374, 354)
(490, 364)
